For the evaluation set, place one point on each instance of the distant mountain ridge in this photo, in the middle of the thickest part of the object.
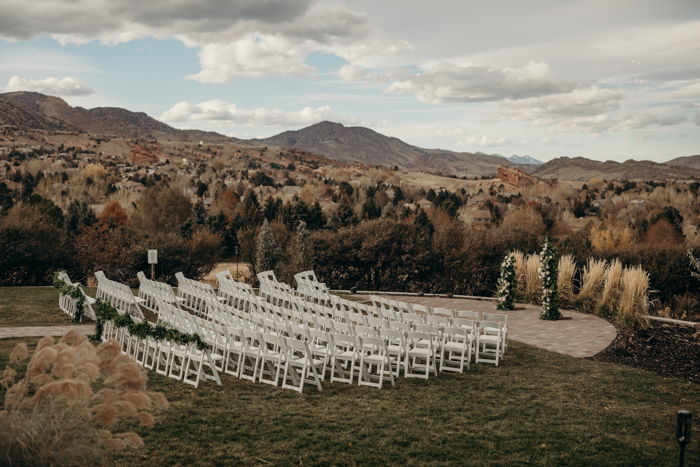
(516, 159)
(350, 144)
(582, 169)
(35, 110)
(31, 110)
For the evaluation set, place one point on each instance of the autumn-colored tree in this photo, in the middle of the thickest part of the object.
(663, 232)
(226, 202)
(113, 215)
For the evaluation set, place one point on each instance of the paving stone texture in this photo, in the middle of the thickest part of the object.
(581, 336)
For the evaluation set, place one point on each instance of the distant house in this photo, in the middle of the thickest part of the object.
(599, 203)
(265, 191)
(638, 202)
(479, 217)
(131, 186)
(424, 204)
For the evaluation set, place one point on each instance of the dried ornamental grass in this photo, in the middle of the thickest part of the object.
(612, 288)
(634, 300)
(52, 417)
(565, 281)
(592, 281)
(533, 283)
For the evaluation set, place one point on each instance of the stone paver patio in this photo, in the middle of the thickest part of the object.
(581, 336)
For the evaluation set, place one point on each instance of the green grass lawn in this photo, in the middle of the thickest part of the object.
(537, 408)
(31, 306)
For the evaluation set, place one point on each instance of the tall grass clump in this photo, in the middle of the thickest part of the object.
(533, 282)
(565, 281)
(52, 416)
(634, 299)
(612, 288)
(591, 291)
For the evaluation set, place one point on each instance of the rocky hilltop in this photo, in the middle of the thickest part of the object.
(28, 110)
(350, 144)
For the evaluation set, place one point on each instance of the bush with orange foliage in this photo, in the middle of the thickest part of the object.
(225, 202)
(113, 214)
(52, 416)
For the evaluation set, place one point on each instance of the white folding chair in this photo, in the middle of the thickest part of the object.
(374, 355)
(488, 342)
(418, 357)
(456, 349)
(300, 367)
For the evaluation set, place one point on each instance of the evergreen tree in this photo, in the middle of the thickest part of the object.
(268, 253)
(305, 251)
(251, 212)
(199, 213)
(344, 216)
(423, 222)
(317, 219)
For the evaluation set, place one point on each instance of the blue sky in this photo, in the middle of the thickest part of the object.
(607, 80)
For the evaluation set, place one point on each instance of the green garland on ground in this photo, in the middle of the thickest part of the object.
(507, 284)
(549, 273)
(106, 312)
(73, 292)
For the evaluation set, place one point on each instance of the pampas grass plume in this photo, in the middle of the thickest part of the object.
(19, 354)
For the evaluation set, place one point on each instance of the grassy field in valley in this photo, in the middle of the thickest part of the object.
(537, 408)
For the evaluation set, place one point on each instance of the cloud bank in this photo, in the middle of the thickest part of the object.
(58, 87)
(219, 112)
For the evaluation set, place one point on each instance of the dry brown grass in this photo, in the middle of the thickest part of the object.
(533, 283)
(52, 416)
(634, 300)
(565, 280)
(612, 288)
(591, 291)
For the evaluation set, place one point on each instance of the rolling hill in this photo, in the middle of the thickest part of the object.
(582, 169)
(34, 110)
(350, 144)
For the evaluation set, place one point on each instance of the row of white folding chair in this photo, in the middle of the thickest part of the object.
(269, 284)
(195, 293)
(232, 290)
(318, 323)
(150, 290)
(118, 295)
(69, 305)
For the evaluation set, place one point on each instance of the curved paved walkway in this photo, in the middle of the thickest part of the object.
(582, 336)
(41, 331)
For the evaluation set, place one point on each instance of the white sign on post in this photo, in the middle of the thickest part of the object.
(152, 256)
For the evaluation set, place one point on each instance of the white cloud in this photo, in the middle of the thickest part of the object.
(58, 87)
(697, 119)
(581, 111)
(466, 83)
(485, 142)
(252, 57)
(672, 120)
(688, 105)
(243, 38)
(219, 112)
(448, 132)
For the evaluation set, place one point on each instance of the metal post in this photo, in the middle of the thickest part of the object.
(236, 263)
(683, 431)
